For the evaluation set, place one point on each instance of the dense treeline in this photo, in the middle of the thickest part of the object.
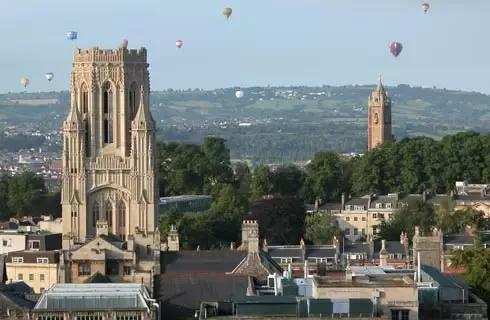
(408, 166)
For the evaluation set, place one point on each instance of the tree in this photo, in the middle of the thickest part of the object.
(262, 182)
(325, 178)
(23, 189)
(281, 219)
(288, 181)
(416, 214)
(321, 229)
(476, 261)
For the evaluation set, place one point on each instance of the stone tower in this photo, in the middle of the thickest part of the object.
(379, 117)
(108, 153)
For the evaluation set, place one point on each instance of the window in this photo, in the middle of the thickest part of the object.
(355, 218)
(286, 260)
(95, 214)
(381, 215)
(374, 215)
(31, 277)
(34, 244)
(73, 214)
(122, 214)
(84, 269)
(405, 314)
(347, 218)
(20, 276)
(43, 260)
(363, 231)
(148, 250)
(107, 109)
(363, 219)
(41, 277)
(400, 314)
(390, 216)
(379, 205)
(133, 104)
(84, 99)
(17, 260)
(356, 231)
(112, 268)
(127, 270)
(347, 232)
(108, 213)
(388, 206)
(41, 289)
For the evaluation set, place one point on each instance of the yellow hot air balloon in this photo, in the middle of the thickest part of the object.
(227, 12)
(24, 82)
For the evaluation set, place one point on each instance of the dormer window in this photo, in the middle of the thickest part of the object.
(379, 205)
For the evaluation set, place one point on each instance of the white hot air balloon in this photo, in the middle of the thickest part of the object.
(49, 76)
(24, 82)
(239, 94)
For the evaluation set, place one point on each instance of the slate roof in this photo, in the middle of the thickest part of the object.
(204, 261)
(356, 248)
(283, 252)
(320, 252)
(98, 278)
(181, 295)
(440, 278)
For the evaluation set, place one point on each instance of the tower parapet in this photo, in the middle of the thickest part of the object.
(120, 55)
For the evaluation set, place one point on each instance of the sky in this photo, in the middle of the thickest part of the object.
(265, 42)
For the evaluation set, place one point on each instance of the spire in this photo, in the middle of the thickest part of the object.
(74, 116)
(380, 89)
(143, 114)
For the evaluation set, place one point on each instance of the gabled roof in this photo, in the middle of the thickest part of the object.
(98, 278)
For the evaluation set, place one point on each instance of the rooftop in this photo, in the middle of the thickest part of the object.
(85, 297)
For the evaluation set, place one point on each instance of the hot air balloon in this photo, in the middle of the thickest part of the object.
(124, 44)
(24, 82)
(49, 76)
(179, 43)
(72, 35)
(239, 94)
(227, 12)
(425, 7)
(396, 48)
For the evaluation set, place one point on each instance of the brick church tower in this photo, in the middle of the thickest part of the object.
(379, 117)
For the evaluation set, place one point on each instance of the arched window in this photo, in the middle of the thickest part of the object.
(107, 110)
(108, 213)
(86, 137)
(95, 213)
(133, 100)
(84, 99)
(121, 214)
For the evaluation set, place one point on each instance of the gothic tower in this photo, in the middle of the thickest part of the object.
(109, 143)
(379, 117)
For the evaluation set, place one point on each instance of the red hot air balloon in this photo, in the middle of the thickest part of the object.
(179, 43)
(396, 48)
(425, 7)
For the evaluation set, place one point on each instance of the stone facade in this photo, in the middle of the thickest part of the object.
(379, 117)
(108, 156)
(109, 140)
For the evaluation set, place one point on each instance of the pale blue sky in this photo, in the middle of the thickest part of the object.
(277, 42)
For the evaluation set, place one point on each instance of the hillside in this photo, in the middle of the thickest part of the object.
(279, 123)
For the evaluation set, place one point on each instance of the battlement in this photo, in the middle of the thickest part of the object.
(118, 55)
(250, 222)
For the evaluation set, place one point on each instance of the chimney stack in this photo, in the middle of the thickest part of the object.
(342, 201)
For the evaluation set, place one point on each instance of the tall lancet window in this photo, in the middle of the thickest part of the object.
(121, 214)
(84, 110)
(84, 99)
(133, 101)
(95, 213)
(108, 213)
(108, 111)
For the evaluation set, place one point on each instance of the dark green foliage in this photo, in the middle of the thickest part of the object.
(417, 164)
(416, 214)
(262, 182)
(327, 177)
(320, 229)
(281, 219)
(23, 195)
